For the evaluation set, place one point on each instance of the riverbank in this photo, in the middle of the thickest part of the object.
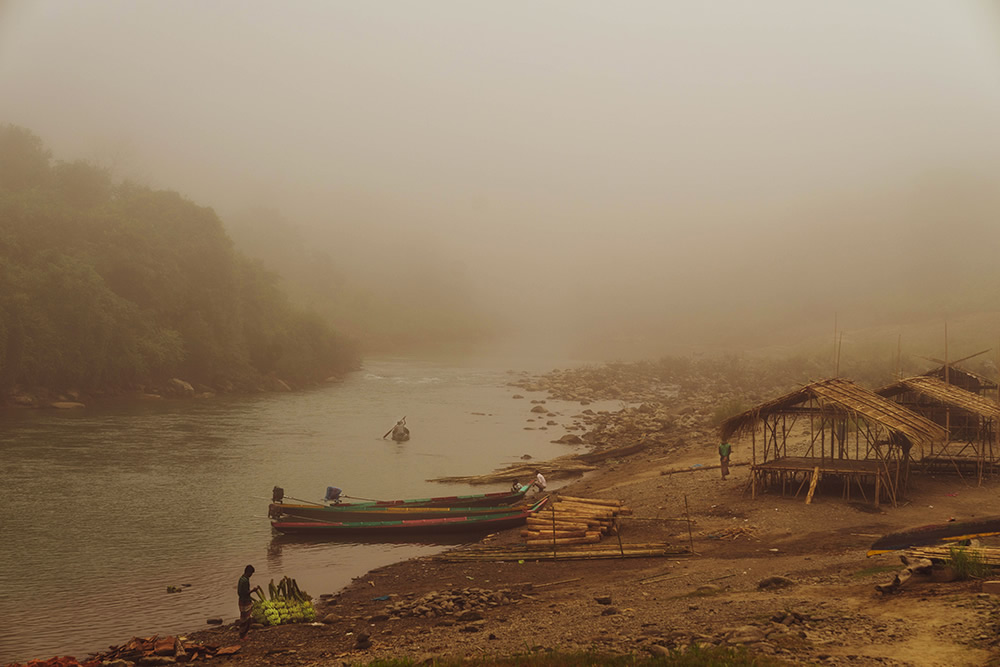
(785, 579)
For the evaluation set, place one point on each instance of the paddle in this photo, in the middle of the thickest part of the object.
(393, 426)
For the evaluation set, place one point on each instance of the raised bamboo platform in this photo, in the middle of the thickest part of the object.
(872, 480)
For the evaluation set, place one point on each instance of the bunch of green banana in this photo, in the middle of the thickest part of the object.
(271, 614)
(285, 602)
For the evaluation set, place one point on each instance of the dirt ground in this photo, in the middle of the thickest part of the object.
(822, 608)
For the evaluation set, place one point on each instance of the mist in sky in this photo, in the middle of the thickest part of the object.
(606, 179)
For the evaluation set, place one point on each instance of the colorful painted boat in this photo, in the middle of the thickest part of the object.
(342, 513)
(952, 531)
(469, 523)
(499, 499)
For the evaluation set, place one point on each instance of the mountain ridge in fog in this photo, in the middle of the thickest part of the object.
(598, 180)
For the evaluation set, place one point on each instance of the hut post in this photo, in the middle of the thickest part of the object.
(878, 486)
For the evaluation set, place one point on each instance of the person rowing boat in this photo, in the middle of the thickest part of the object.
(399, 432)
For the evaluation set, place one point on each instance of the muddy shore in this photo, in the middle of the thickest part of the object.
(784, 578)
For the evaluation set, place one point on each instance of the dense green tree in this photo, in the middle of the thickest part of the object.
(106, 286)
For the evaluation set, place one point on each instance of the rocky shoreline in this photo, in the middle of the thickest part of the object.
(783, 580)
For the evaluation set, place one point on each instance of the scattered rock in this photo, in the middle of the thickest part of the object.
(774, 582)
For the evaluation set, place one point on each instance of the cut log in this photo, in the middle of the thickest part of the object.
(590, 501)
(559, 533)
(566, 540)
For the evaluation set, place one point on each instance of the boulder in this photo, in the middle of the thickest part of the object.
(774, 582)
(178, 387)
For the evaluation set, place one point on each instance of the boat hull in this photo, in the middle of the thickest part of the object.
(340, 513)
(458, 524)
(952, 531)
(499, 499)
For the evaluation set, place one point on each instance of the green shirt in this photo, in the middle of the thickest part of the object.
(725, 448)
(243, 589)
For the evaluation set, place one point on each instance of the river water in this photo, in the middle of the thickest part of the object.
(103, 508)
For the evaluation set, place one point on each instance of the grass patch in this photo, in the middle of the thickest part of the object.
(967, 564)
(687, 657)
(879, 569)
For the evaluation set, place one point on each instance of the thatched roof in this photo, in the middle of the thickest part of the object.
(846, 397)
(942, 392)
(954, 372)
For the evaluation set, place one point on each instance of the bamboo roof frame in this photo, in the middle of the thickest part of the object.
(984, 382)
(945, 393)
(849, 399)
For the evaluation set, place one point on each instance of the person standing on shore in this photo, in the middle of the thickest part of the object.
(245, 601)
(725, 449)
(539, 482)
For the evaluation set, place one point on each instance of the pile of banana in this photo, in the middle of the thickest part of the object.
(284, 603)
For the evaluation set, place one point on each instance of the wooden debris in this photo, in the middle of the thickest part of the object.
(560, 467)
(734, 533)
(580, 552)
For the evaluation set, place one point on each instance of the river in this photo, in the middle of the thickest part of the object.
(105, 507)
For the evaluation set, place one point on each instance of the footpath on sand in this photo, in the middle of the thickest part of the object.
(787, 580)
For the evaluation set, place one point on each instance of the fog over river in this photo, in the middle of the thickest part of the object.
(107, 506)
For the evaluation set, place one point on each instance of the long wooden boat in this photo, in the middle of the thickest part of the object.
(469, 523)
(952, 531)
(499, 499)
(342, 513)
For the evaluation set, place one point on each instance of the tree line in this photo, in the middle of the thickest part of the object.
(110, 286)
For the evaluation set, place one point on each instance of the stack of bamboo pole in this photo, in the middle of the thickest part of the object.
(987, 555)
(572, 520)
(564, 466)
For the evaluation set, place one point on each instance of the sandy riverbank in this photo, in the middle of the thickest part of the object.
(783, 578)
(828, 613)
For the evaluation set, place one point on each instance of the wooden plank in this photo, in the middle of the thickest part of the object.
(589, 501)
(812, 485)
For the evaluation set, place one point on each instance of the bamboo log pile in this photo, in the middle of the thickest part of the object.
(988, 555)
(563, 466)
(571, 520)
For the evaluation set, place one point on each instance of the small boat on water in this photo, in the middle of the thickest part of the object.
(340, 513)
(499, 499)
(951, 531)
(498, 519)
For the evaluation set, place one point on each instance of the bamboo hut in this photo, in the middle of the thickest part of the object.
(969, 419)
(963, 379)
(837, 431)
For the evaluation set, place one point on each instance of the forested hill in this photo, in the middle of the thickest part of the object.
(109, 287)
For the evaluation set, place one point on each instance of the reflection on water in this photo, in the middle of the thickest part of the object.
(104, 508)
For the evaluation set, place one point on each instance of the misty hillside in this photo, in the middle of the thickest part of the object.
(402, 298)
(563, 180)
(108, 286)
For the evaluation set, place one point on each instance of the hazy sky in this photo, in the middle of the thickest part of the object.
(584, 160)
